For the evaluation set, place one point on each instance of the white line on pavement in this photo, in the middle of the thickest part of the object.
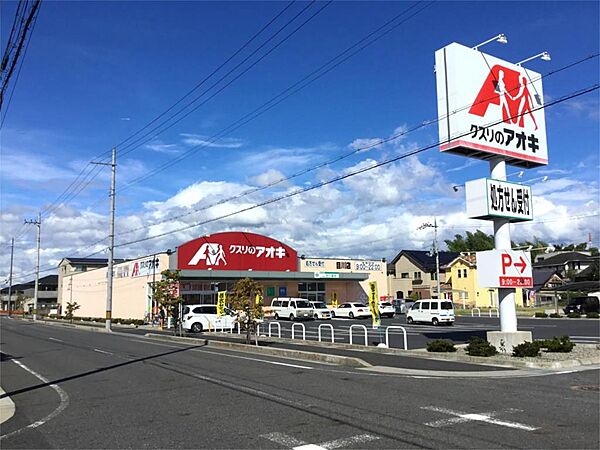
(254, 359)
(102, 351)
(347, 442)
(283, 439)
(460, 417)
(54, 339)
(64, 402)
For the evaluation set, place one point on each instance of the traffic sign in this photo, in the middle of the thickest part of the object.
(504, 269)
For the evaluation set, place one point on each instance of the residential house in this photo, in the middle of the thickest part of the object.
(412, 273)
(565, 264)
(22, 295)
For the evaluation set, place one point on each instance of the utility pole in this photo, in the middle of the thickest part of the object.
(37, 223)
(12, 250)
(111, 238)
(436, 251)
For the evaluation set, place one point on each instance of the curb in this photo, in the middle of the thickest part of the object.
(7, 407)
(286, 353)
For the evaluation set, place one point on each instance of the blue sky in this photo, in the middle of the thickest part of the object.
(96, 72)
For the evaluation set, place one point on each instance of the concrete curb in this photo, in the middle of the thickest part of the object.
(7, 407)
(282, 352)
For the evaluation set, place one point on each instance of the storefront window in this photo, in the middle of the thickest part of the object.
(314, 292)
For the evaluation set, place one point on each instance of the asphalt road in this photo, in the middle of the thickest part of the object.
(103, 390)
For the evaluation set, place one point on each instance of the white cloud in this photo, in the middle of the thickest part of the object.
(268, 177)
(24, 166)
(205, 141)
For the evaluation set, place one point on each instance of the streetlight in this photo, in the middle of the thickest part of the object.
(501, 38)
(544, 56)
(435, 250)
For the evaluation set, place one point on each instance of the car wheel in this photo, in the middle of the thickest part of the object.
(316, 316)
(409, 320)
(351, 315)
(435, 322)
(332, 314)
(276, 317)
(450, 324)
(291, 317)
(197, 327)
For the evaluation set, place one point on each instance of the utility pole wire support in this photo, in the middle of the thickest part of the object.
(436, 251)
(111, 237)
(12, 250)
(38, 223)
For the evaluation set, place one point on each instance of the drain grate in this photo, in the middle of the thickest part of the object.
(586, 387)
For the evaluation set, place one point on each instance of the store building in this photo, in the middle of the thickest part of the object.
(214, 263)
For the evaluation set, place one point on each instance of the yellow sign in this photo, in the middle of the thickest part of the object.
(374, 304)
(334, 299)
(222, 297)
(258, 300)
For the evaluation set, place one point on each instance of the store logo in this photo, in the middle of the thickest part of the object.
(508, 89)
(213, 254)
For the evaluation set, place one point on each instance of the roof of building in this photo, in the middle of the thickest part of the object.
(541, 277)
(467, 258)
(561, 259)
(98, 261)
(425, 260)
(48, 280)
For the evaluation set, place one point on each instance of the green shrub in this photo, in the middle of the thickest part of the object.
(555, 315)
(480, 347)
(138, 322)
(541, 314)
(560, 344)
(592, 315)
(573, 315)
(441, 346)
(527, 349)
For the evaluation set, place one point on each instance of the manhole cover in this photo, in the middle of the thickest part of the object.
(587, 387)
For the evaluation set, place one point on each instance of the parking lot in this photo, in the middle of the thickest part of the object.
(580, 330)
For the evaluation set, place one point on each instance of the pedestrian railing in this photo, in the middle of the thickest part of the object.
(497, 312)
(363, 328)
(387, 335)
(478, 312)
(327, 326)
(303, 330)
(278, 328)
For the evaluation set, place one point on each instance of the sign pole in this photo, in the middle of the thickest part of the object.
(506, 297)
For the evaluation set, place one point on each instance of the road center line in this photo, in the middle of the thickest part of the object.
(102, 351)
(64, 402)
(54, 339)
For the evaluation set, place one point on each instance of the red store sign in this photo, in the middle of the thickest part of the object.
(236, 251)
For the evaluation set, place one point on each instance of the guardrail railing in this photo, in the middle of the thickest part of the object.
(303, 330)
(278, 329)
(365, 330)
(478, 312)
(497, 312)
(387, 335)
(326, 325)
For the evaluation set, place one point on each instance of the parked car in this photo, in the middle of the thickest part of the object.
(197, 318)
(291, 308)
(583, 305)
(431, 311)
(351, 310)
(386, 309)
(321, 311)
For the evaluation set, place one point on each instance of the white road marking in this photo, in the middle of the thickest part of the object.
(346, 442)
(296, 444)
(102, 351)
(470, 417)
(64, 402)
(54, 339)
(255, 359)
(283, 439)
(309, 447)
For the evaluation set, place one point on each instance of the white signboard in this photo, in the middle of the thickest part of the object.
(488, 198)
(327, 275)
(145, 267)
(488, 107)
(504, 269)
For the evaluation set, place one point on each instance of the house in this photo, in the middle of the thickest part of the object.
(565, 264)
(461, 274)
(412, 273)
(22, 295)
(545, 282)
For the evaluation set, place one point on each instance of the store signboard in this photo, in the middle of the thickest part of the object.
(504, 269)
(237, 251)
(488, 107)
(326, 275)
(488, 199)
(145, 267)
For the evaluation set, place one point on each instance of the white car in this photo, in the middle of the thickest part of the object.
(198, 318)
(321, 310)
(386, 309)
(351, 311)
(433, 311)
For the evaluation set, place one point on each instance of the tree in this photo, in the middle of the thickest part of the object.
(474, 242)
(537, 246)
(166, 292)
(71, 308)
(243, 299)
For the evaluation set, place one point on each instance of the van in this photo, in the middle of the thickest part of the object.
(434, 311)
(291, 308)
(197, 318)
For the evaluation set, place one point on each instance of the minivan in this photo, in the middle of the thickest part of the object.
(432, 311)
(291, 308)
(197, 318)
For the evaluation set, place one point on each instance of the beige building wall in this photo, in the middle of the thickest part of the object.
(132, 293)
(326, 270)
(410, 279)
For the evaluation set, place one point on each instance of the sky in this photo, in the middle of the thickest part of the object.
(96, 73)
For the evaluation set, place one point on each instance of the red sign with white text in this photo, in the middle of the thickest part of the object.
(237, 251)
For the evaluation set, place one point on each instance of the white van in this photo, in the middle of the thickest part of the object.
(432, 311)
(321, 310)
(198, 318)
(291, 308)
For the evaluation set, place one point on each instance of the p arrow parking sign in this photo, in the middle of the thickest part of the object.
(504, 269)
